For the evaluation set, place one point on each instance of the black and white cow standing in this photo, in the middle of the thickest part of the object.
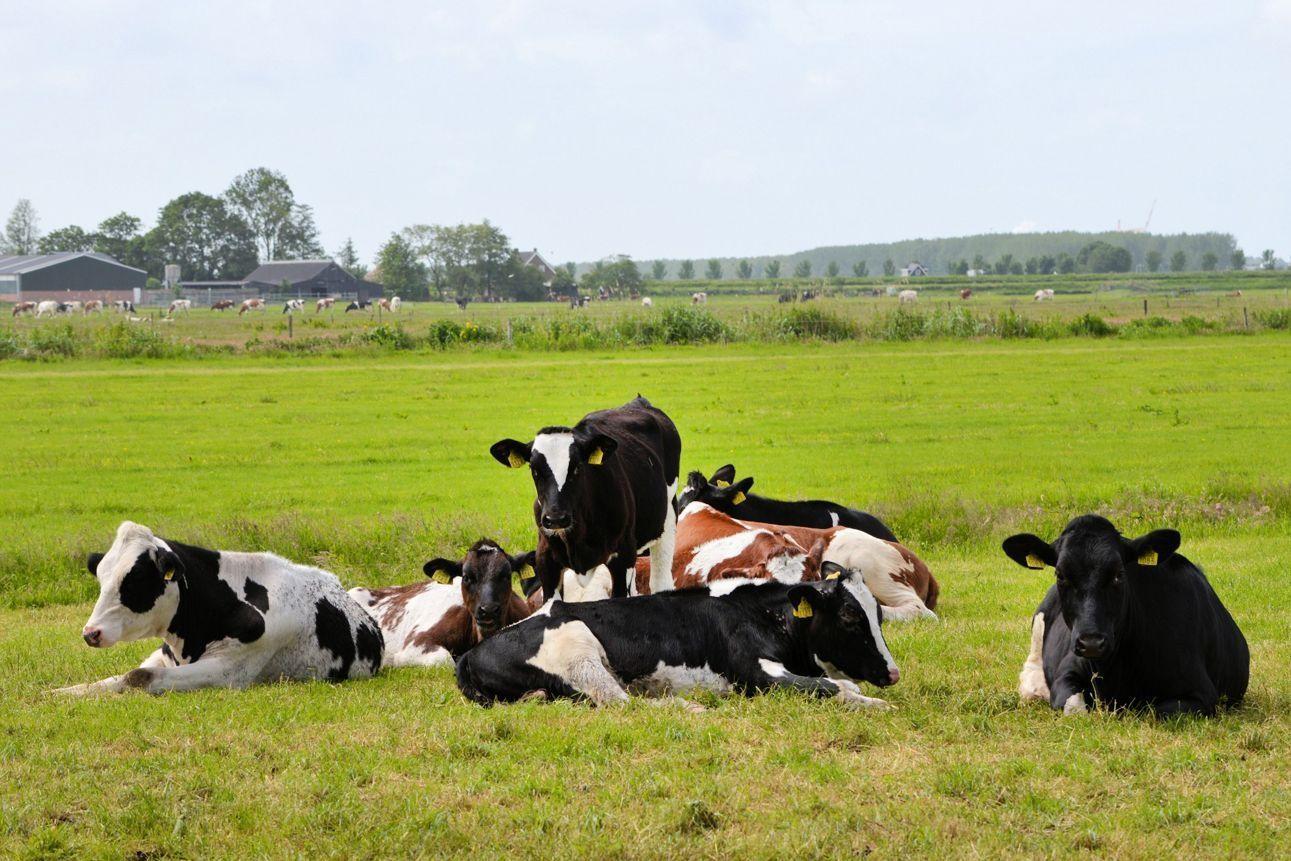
(820, 638)
(225, 619)
(605, 489)
(1129, 623)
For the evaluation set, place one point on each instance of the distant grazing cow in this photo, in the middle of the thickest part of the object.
(225, 619)
(293, 305)
(123, 306)
(647, 302)
(808, 295)
(435, 621)
(24, 308)
(184, 305)
(966, 293)
(93, 306)
(908, 297)
(326, 302)
(1129, 623)
(708, 541)
(395, 304)
(462, 302)
(700, 298)
(252, 305)
(48, 308)
(1235, 294)
(357, 306)
(70, 307)
(786, 298)
(222, 304)
(383, 304)
(726, 495)
(1044, 295)
(604, 493)
(819, 638)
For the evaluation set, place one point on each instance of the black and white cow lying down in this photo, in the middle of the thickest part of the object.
(1129, 624)
(225, 619)
(820, 638)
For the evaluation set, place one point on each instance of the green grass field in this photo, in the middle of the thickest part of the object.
(370, 465)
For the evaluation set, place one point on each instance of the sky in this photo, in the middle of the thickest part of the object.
(662, 129)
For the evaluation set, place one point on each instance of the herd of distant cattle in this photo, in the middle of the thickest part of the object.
(639, 585)
(52, 308)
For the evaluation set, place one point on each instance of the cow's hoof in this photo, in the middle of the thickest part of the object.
(538, 696)
(1075, 705)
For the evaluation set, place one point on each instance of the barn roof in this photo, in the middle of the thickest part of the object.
(292, 271)
(20, 264)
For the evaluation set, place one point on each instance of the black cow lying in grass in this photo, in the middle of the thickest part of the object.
(820, 638)
(732, 497)
(1129, 623)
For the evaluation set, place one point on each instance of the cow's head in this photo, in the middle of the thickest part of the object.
(559, 459)
(486, 581)
(1093, 564)
(721, 491)
(842, 622)
(139, 580)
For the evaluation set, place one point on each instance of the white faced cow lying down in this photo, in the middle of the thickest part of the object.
(225, 619)
(1129, 623)
(431, 623)
(820, 638)
(604, 493)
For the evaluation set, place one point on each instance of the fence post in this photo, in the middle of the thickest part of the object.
(1246, 318)
(508, 331)
(291, 328)
(1145, 307)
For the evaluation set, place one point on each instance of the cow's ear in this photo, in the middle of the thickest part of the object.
(442, 570)
(805, 600)
(739, 491)
(1030, 551)
(1155, 547)
(92, 562)
(522, 565)
(509, 452)
(696, 481)
(833, 571)
(170, 565)
(598, 448)
(723, 475)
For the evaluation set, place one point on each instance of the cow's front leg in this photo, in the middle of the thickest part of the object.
(772, 674)
(620, 564)
(1071, 687)
(211, 672)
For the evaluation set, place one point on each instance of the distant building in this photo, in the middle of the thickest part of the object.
(308, 278)
(915, 269)
(68, 275)
(534, 259)
(976, 273)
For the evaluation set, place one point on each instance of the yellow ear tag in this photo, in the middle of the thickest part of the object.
(595, 457)
(1034, 561)
(527, 573)
(441, 576)
(803, 610)
(720, 483)
(738, 497)
(515, 460)
(170, 574)
(833, 575)
(1148, 557)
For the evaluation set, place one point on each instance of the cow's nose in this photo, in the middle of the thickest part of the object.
(92, 636)
(894, 676)
(1091, 645)
(488, 611)
(557, 521)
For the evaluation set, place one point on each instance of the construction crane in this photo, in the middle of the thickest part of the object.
(1144, 228)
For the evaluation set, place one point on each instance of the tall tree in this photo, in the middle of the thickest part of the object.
(1267, 259)
(802, 269)
(890, 268)
(979, 263)
(121, 237)
(958, 268)
(1154, 259)
(714, 271)
(1004, 265)
(69, 238)
(1209, 261)
(22, 230)
(772, 269)
(687, 270)
(1178, 261)
(402, 274)
(348, 259)
(208, 241)
(282, 228)
(832, 269)
(744, 270)
(1100, 256)
(860, 269)
(1237, 260)
(659, 270)
(1066, 264)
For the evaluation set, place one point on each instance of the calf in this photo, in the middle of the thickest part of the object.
(731, 497)
(1129, 623)
(23, 308)
(819, 638)
(647, 302)
(293, 305)
(966, 293)
(604, 493)
(700, 298)
(225, 619)
(395, 304)
(432, 623)
(326, 302)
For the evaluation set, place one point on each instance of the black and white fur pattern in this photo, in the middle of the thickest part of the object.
(746, 637)
(225, 619)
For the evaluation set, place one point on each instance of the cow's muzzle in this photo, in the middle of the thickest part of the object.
(92, 636)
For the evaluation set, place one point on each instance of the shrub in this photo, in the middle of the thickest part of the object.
(10, 345)
(1091, 325)
(682, 324)
(816, 323)
(1274, 318)
(131, 341)
(53, 341)
(391, 337)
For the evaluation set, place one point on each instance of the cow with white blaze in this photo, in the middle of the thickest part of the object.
(1129, 623)
(225, 619)
(604, 493)
(820, 638)
(433, 622)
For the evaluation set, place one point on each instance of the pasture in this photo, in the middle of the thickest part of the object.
(372, 465)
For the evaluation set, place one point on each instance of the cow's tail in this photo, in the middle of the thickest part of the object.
(933, 591)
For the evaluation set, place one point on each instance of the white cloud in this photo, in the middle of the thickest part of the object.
(1026, 226)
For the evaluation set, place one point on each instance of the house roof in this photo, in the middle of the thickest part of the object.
(533, 258)
(20, 264)
(292, 271)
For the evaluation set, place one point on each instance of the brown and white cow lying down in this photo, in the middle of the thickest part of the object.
(712, 546)
(434, 622)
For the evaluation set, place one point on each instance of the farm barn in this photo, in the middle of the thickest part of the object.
(68, 275)
(309, 278)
